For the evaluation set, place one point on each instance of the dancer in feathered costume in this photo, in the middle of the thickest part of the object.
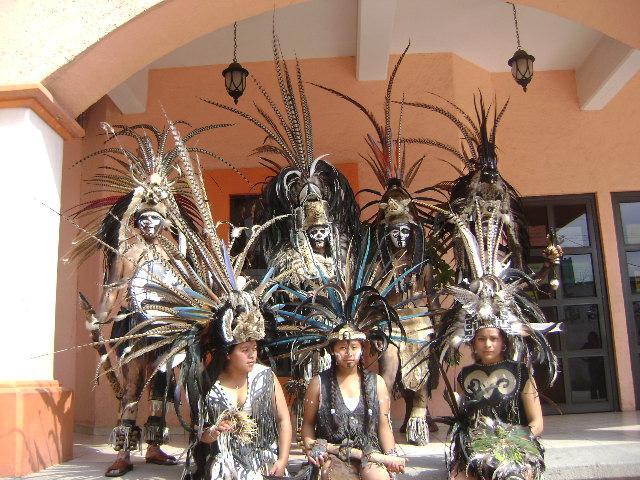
(199, 307)
(405, 248)
(344, 405)
(307, 249)
(475, 195)
(324, 216)
(215, 312)
(498, 417)
(145, 194)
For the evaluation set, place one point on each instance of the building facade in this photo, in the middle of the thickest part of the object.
(575, 162)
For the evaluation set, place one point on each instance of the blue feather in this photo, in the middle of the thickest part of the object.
(227, 264)
(286, 313)
(360, 276)
(413, 315)
(298, 294)
(268, 275)
(409, 340)
(395, 282)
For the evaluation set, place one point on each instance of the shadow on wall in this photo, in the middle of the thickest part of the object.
(43, 429)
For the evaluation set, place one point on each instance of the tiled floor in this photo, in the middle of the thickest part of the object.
(588, 446)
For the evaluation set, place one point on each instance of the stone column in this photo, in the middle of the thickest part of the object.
(36, 424)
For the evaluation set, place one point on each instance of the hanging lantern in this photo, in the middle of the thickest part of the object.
(521, 63)
(522, 67)
(235, 75)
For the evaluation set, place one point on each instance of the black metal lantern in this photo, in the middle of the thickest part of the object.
(235, 75)
(522, 67)
(521, 63)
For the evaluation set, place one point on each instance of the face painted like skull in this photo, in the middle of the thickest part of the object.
(318, 236)
(150, 224)
(400, 235)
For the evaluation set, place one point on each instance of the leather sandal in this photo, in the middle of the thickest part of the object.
(119, 468)
(160, 458)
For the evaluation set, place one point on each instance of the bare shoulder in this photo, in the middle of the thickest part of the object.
(314, 384)
(313, 389)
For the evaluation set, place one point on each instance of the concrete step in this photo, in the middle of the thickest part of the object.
(578, 447)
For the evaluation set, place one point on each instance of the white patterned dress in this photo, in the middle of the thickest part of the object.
(237, 461)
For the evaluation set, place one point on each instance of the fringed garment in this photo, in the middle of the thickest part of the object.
(337, 423)
(494, 442)
(343, 424)
(235, 460)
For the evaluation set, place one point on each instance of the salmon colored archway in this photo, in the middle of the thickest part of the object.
(145, 38)
(158, 30)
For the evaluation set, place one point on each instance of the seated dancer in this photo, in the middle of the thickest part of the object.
(245, 386)
(348, 405)
(344, 405)
(407, 256)
(498, 417)
(498, 388)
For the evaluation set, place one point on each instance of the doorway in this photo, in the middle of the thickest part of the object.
(586, 379)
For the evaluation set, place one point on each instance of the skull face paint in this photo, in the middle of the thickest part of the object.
(318, 236)
(150, 225)
(400, 235)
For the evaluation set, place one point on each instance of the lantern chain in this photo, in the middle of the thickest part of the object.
(235, 41)
(515, 20)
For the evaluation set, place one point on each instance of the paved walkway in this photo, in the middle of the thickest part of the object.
(578, 447)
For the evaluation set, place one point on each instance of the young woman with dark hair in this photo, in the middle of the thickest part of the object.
(347, 403)
(497, 388)
(246, 386)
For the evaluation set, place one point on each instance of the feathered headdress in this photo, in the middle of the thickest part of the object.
(482, 180)
(351, 309)
(493, 296)
(304, 176)
(147, 179)
(387, 159)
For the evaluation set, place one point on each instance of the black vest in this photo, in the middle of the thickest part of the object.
(336, 422)
(495, 390)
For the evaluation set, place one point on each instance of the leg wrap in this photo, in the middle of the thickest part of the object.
(126, 436)
(158, 386)
(155, 431)
(418, 427)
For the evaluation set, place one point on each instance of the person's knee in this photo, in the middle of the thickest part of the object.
(374, 472)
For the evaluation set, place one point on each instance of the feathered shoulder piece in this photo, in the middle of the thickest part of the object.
(145, 177)
(494, 296)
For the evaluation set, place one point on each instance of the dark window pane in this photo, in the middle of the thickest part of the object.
(633, 268)
(582, 327)
(554, 338)
(636, 316)
(571, 225)
(242, 210)
(538, 225)
(587, 379)
(556, 392)
(630, 213)
(577, 276)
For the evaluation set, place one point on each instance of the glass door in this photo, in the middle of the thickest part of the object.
(585, 383)
(626, 207)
